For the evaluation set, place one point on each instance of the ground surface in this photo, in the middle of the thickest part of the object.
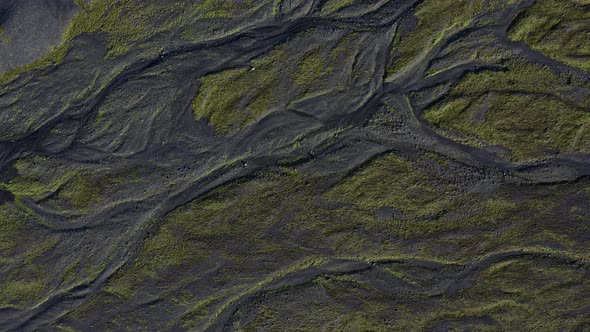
(295, 165)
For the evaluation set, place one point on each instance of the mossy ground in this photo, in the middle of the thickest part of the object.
(525, 109)
(237, 97)
(557, 29)
(335, 299)
(413, 45)
(347, 222)
(24, 259)
(277, 218)
(232, 99)
(335, 5)
(64, 189)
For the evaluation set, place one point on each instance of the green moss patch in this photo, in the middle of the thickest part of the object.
(558, 29)
(525, 109)
(335, 5)
(235, 98)
(412, 46)
(233, 219)
(392, 181)
(21, 292)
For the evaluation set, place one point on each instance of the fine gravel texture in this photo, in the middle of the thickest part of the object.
(295, 165)
(30, 28)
